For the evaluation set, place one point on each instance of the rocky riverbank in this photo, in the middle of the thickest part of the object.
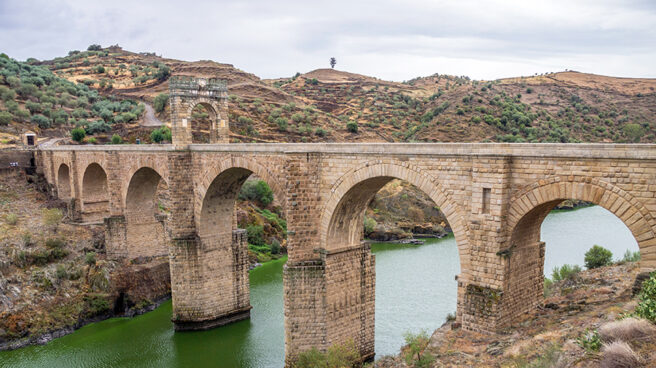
(54, 275)
(553, 334)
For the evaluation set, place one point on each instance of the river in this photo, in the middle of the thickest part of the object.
(415, 290)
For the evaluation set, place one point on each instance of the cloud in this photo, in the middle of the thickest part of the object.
(387, 39)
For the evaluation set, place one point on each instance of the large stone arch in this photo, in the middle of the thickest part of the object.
(524, 255)
(145, 223)
(236, 162)
(538, 199)
(64, 190)
(95, 193)
(368, 179)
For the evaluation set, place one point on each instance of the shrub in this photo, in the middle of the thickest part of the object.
(11, 219)
(369, 225)
(414, 352)
(565, 272)
(633, 132)
(90, 258)
(96, 304)
(352, 126)
(161, 134)
(627, 329)
(91, 140)
(94, 47)
(597, 257)
(42, 121)
(282, 124)
(255, 234)
(78, 134)
(52, 217)
(619, 354)
(631, 256)
(61, 272)
(116, 139)
(256, 190)
(159, 103)
(55, 243)
(5, 117)
(337, 356)
(26, 238)
(589, 341)
(646, 307)
(275, 246)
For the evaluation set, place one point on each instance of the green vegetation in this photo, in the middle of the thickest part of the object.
(589, 341)
(414, 353)
(646, 307)
(160, 101)
(256, 190)
(78, 134)
(352, 126)
(631, 256)
(161, 134)
(565, 272)
(52, 217)
(597, 257)
(116, 139)
(90, 258)
(337, 356)
(11, 219)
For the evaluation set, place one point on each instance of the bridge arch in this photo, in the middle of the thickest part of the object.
(524, 267)
(95, 194)
(145, 233)
(342, 216)
(64, 182)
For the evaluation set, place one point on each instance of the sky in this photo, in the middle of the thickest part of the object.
(391, 40)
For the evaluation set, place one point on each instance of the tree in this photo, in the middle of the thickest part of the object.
(42, 121)
(159, 103)
(333, 61)
(156, 136)
(598, 256)
(5, 118)
(78, 134)
(94, 47)
(116, 139)
(352, 126)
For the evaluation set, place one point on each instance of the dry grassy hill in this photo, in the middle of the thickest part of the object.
(331, 105)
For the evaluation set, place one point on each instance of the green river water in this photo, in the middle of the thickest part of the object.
(415, 290)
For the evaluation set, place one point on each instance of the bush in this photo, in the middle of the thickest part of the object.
(52, 217)
(78, 134)
(96, 304)
(11, 219)
(90, 258)
(369, 225)
(161, 134)
(275, 246)
(414, 352)
(116, 139)
(94, 47)
(633, 132)
(5, 117)
(55, 243)
(42, 121)
(631, 256)
(256, 190)
(337, 356)
(565, 272)
(61, 272)
(352, 126)
(159, 103)
(282, 124)
(647, 305)
(255, 234)
(589, 341)
(597, 257)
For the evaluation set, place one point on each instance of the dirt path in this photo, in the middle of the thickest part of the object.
(150, 120)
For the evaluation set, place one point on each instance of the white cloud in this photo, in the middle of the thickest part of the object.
(386, 39)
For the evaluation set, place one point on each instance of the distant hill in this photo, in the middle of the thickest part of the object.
(322, 105)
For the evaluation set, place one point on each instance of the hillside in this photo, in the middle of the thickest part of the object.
(319, 105)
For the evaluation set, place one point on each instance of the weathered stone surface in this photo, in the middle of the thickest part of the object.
(494, 197)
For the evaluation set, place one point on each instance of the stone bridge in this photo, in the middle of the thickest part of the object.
(495, 197)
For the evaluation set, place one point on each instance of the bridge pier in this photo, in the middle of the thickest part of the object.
(330, 301)
(209, 284)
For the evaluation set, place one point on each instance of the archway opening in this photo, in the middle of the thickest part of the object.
(241, 227)
(95, 196)
(559, 232)
(203, 117)
(416, 261)
(63, 182)
(147, 209)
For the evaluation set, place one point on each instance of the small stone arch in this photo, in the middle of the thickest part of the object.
(186, 93)
(357, 187)
(95, 194)
(64, 182)
(145, 220)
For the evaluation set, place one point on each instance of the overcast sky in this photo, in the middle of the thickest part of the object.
(393, 40)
